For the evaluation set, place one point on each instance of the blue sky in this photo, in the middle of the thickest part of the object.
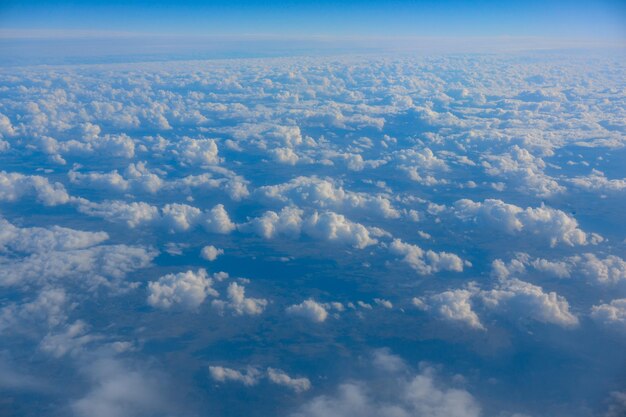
(601, 19)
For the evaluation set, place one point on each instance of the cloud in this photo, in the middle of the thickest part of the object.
(611, 314)
(238, 303)
(90, 268)
(198, 151)
(287, 222)
(605, 271)
(426, 262)
(336, 228)
(38, 239)
(553, 225)
(174, 217)
(248, 378)
(328, 194)
(14, 186)
(456, 306)
(309, 310)
(420, 395)
(251, 376)
(210, 253)
(117, 390)
(523, 299)
(279, 377)
(187, 290)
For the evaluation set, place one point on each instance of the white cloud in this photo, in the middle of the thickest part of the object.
(14, 186)
(553, 225)
(310, 310)
(217, 220)
(279, 377)
(336, 228)
(611, 314)
(327, 194)
(185, 289)
(90, 267)
(523, 299)
(287, 222)
(210, 253)
(421, 395)
(426, 262)
(250, 377)
(456, 305)
(117, 390)
(239, 303)
(39, 239)
(198, 151)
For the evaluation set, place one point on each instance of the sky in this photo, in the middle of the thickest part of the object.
(602, 19)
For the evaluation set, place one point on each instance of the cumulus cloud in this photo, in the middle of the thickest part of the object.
(210, 253)
(287, 222)
(309, 310)
(426, 262)
(198, 151)
(611, 314)
(336, 228)
(185, 289)
(523, 299)
(553, 225)
(609, 270)
(14, 186)
(238, 303)
(327, 194)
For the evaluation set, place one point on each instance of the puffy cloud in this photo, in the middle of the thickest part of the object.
(523, 299)
(336, 228)
(180, 217)
(287, 222)
(198, 151)
(608, 270)
(175, 217)
(456, 305)
(520, 167)
(14, 186)
(185, 289)
(210, 252)
(133, 213)
(597, 181)
(327, 194)
(310, 310)
(426, 262)
(551, 224)
(239, 303)
(285, 156)
(217, 220)
(611, 314)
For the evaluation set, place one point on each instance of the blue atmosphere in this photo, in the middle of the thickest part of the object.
(312, 209)
(602, 19)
